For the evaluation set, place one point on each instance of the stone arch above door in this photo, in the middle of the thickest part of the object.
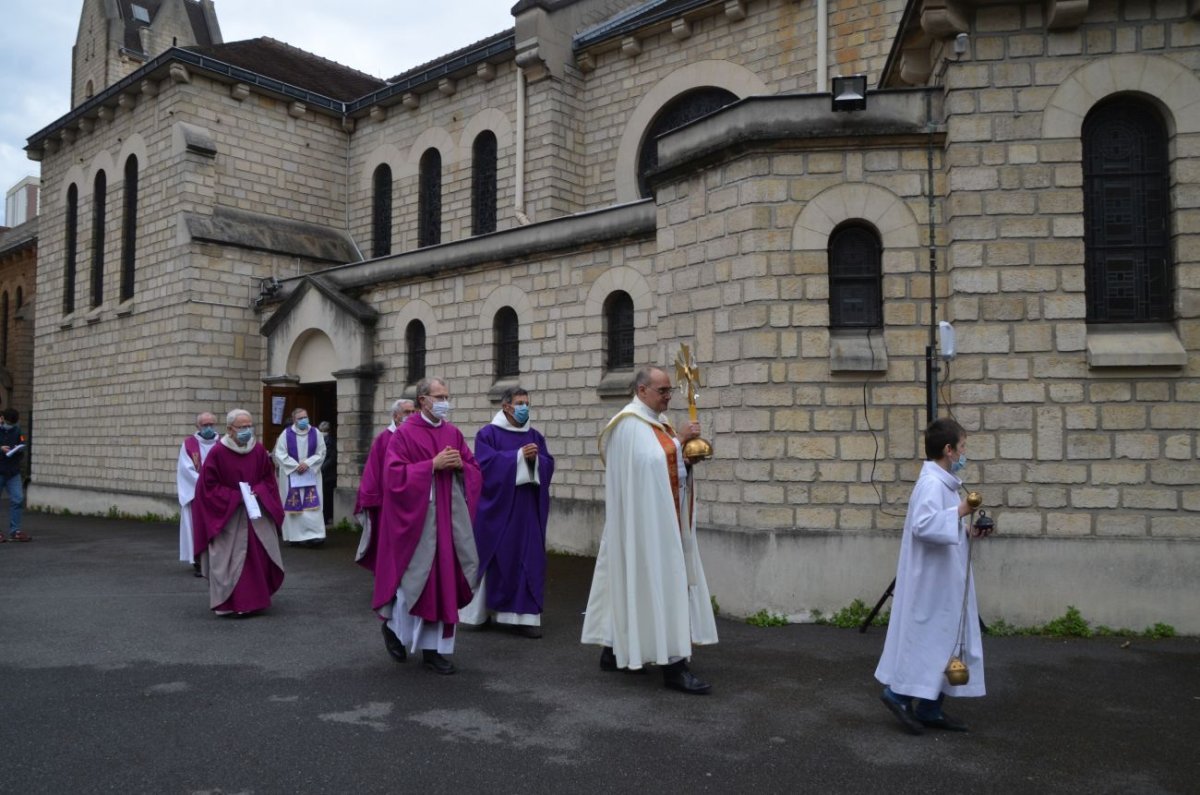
(314, 306)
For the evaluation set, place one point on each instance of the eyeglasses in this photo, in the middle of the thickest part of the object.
(663, 391)
(436, 398)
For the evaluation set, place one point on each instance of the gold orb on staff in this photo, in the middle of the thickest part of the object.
(688, 376)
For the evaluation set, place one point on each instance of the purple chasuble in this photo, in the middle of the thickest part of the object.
(370, 495)
(218, 499)
(510, 527)
(408, 482)
(301, 498)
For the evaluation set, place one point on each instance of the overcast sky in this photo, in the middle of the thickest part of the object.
(379, 37)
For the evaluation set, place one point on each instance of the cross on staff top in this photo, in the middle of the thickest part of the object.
(688, 376)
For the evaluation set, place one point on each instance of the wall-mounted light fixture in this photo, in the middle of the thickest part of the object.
(850, 93)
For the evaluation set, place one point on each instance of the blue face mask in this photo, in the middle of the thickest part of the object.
(960, 464)
(208, 433)
(521, 414)
(302, 425)
(244, 435)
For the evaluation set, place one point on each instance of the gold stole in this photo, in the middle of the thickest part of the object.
(667, 440)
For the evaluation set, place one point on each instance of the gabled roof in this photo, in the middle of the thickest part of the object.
(288, 64)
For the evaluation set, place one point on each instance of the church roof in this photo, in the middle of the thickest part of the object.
(637, 17)
(19, 237)
(454, 59)
(281, 61)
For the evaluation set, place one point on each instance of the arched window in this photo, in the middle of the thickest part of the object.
(129, 228)
(4, 329)
(506, 343)
(99, 198)
(1128, 273)
(618, 331)
(429, 200)
(381, 212)
(414, 342)
(71, 242)
(483, 184)
(855, 277)
(686, 107)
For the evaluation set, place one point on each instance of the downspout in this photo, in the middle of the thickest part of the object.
(519, 177)
(822, 46)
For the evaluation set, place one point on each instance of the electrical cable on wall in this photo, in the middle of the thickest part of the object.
(867, 419)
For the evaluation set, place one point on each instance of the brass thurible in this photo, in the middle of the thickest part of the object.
(957, 672)
(688, 376)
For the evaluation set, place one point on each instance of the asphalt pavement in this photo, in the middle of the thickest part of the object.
(117, 678)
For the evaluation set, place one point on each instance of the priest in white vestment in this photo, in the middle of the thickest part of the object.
(934, 615)
(192, 454)
(299, 454)
(649, 602)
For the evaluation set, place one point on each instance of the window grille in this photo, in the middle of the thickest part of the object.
(414, 342)
(507, 353)
(684, 108)
(483, 184)
(381, 212)
(72, 232)
(99, 199)
(618, 318)
(1129, 275)
(429, 211)
(855, 278)
(129, 228)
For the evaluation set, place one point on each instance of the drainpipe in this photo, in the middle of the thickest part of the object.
(519, 208)
(822, 46)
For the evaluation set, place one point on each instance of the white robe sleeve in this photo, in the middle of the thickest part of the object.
(315, 460)
(930, 522)
(186, 477)
(527, 471)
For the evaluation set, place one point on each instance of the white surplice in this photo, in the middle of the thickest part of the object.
(300, 525)
(923, 631)
(187, 474)
(649, 599)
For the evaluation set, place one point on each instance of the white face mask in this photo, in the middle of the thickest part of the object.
(441, 409)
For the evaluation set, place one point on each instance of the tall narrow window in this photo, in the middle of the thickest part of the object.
(4, 329)
(1128, 273)
(129, 228)
(414, 341)
(618, 322)
(99, 198)
(855, 277)
(381, 212)
(71, 242)
(681, 110)
(483, 184)
(506, 345)
(20, 298)
(429, 200)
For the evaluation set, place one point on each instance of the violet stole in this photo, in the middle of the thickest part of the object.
(302, 498)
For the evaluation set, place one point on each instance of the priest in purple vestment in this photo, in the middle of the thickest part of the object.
(425, 557)
(370, 487)
(235, 521)
(510, 527)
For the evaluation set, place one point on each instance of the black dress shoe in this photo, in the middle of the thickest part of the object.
(608, 660)
(393, 644)
(903, 712)
(942, 721)
(677, 677)
(196, 570)
(529, 631)
(437, 663)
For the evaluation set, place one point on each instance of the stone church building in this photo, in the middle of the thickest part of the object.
(246, 224)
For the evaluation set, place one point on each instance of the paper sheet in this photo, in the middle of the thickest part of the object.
(299, 480)
(251, 502)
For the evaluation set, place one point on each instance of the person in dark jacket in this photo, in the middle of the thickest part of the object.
(12, 451)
